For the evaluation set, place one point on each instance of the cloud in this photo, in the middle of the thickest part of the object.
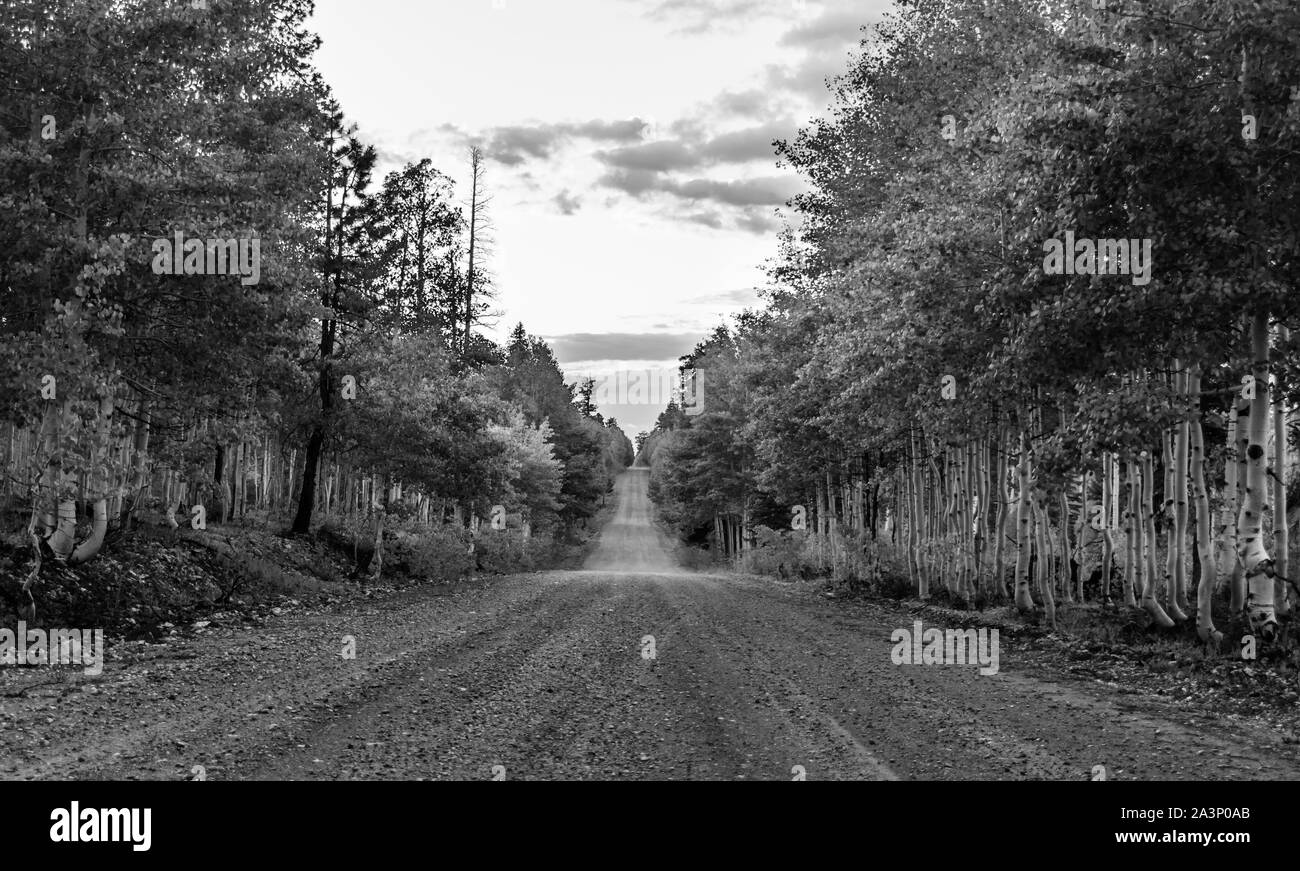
(608, 131)
(808, 78)
(636, 182)
(834, 28)
(514, 144)
(770, 191)
(702, 16)
(758, 223)
(654, 156)
(763, 191)
(709, 219)
(754, 103)
(753, 143)
(567, 203)
(741, 296)
(581, 347)
(737, 146)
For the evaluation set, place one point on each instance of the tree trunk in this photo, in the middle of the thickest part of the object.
(1067, 557)
(1255, 561)
(1238, 599)
(1281, 534)
(1024, 602)
(1044, 573)
(1205, 544)
(1000, 524)
(1147, 525)
(1108, 508)
(1132, 537)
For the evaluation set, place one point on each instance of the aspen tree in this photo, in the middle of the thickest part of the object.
(1131, 536)
(1000, 524)
(1147, 522)
(1109, 509)
(1181, 446)
(1205, 544)
(1281, 534)
(62, 540)
(1254, 558)
(936, 508)
(1067, 595)
(1238, 596)
(1083, 534)
(1044, 573)
(914, 532)
(1167, 514)
(1227, 524)
(1044, 542)
(985, 515)
(1024, 602)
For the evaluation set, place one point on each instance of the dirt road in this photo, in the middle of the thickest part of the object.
(549, 676)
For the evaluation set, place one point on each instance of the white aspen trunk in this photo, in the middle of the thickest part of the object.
(1067, 595)
(1182, 445)
(985, 516)
(914, 532)
(1000, 524)
(63, 542)
(1130, 497)
(1043, 575)
(1226, 537)
(1256, 563)
(1109, 507)
(1147, 525)
(1024, 602)
(1281, 532)
(1137, 550)
(970, 495)
(1238, 596)
(1084, 535)
(1205, 544)
(904, 491)
(935, 529)
(1167, 516)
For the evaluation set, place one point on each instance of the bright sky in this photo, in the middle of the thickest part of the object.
(635, 187)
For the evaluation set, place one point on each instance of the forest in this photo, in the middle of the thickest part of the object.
(307, 358)
(1031, 342)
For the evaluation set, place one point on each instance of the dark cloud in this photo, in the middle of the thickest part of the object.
(834, 28)
(739, 146)
(709, 219)
(771, 191)
(754, 143)
(636, 182)
(580, 347)
(765, 191)
(758, 223)
(567, 203)
(608, 131)
(514, 144)
(753, 103)
(655, 156)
